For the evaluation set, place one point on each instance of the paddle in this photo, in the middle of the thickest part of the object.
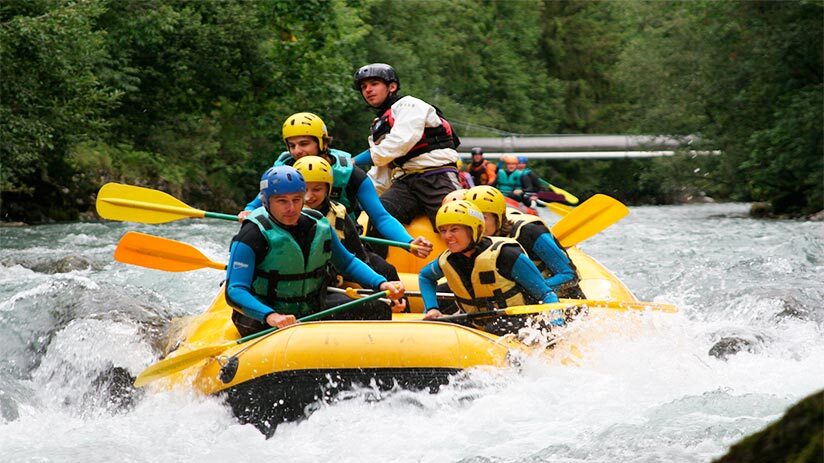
(174, 256)
(568, 197)
(591, 303)
(407, 246)
(591, 217)
(116, 201)
(180, 362)
(555, 208)
(161, 253)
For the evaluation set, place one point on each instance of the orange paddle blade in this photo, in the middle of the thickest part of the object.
(161, 253)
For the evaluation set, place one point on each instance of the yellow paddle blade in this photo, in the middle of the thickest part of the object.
(160, 253)
(569, 197)
(180, 362)
(584, 221)
(592, 304)
(116, 201)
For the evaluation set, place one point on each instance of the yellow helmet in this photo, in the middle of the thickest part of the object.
(456, 195)
(462, 213)
(314, 169)
(301, 124)
(488, 199)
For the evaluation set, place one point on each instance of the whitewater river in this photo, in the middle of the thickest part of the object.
(746, 344)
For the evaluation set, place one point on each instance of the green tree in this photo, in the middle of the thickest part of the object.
(52, 98)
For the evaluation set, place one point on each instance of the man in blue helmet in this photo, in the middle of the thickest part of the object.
(282, 260)
(411, 143)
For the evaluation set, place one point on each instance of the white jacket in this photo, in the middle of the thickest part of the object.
(411, 117)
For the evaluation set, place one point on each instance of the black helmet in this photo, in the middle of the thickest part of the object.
(381, 71)
(476, 150)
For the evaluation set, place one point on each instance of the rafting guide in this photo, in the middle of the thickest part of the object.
(288, 252)
(411, 143)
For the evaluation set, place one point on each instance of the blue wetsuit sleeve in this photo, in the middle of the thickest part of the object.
(363, 159)
(239, 276)
(253, 204)
(555, 259)
(387, 226)
(352, 268)
(526, 274)
(428, 284)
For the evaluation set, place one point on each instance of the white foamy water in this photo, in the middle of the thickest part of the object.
(646, 390)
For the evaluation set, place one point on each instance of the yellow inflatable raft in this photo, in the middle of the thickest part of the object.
(279, 376)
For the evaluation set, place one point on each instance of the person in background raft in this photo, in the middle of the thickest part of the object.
(484, 273)
(482, 171)
(279, 262)
(530, 181)
(411, 139)
(305, 134)
(533, 234)
(509, 180)
(317, 173)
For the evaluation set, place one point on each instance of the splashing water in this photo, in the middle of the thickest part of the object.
(746, 344)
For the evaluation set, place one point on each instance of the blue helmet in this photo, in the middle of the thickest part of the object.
(280, 180)
(522, 159)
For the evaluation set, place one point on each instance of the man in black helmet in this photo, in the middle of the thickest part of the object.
(482, 171)
(411, 144)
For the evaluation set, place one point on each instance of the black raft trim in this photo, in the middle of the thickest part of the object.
(275, 398)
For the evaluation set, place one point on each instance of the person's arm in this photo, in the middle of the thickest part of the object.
(363, 159)
(428, 284)
(240, 273)
(525, 273)
(491, 173)
(410, 121)
(387, 226)
(352, 268)
(253, 204)
(551, 255)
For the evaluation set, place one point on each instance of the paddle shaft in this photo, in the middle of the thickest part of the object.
(318, 315)
(372, 239)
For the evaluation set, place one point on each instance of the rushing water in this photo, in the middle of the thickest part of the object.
(683, 387)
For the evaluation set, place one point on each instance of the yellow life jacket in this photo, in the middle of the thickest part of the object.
(337, 218)
(489, 289)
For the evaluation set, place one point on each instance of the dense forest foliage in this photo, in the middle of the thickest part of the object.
(189, 96)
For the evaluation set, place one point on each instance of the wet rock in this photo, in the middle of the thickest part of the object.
(796, 437)
(761, 210)
(11, 224)
(115, 385)
(728, 346)
(70, 264)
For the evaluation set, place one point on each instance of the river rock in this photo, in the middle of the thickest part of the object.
(728, 346)
(70, 264)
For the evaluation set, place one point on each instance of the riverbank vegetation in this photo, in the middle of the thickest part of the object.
(189, 96)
